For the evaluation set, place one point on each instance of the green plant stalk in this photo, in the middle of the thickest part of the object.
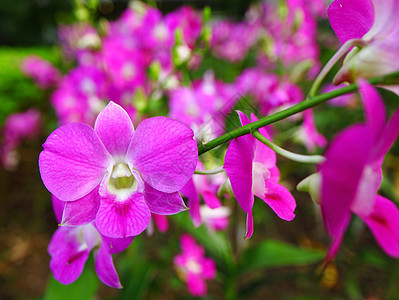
(311, 102)
(209, 172)
(311, 159)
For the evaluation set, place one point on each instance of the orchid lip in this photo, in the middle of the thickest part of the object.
(122, 181)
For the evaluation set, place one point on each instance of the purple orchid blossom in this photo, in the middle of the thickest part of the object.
(351, 176)
(193, 266)
(43, 73)
(375, 22)
(115, 175)
(251, 168)
(70, 247)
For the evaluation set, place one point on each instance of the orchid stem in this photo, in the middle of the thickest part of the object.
(311, 159)
(330, 64)
(209, 172)
(301, 106)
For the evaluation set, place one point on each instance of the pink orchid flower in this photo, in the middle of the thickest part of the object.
(376, 23)
(70, 247)
(351, 176)
(193, 266)
(251, 168)
(43, 73)
(115, 175)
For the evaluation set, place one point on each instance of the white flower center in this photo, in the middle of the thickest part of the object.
(122, 181)
(193, 267)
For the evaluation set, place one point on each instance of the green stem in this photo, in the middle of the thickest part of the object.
(312, 159)
(313, 101)
(209, 172)
(336, 57)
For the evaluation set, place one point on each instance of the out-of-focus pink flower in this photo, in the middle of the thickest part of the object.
(70, 247)
(252, 170)
(309, 134)
(18, 127)
(215, 218)
(43, 73)
(349, 100)
(116, 175)
(193, 267)
(351, 176)
(376, 23)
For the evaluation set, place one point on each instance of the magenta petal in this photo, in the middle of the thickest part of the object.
(388, 138)
(161, 221)
(263, 153)
(67, 259)
(196, 285)
(193, 203)
(374, 108)
(238, 166)
(164, 152)
(341, 173)
(105, 267)
(384, 223)
(58, 207)
(73, 161)
(163, 203)
(123, 218)
(208, 268)
(117, 245)
(81, 211)
(334, 247)
(280, 200)
(211, 199)
(351, 18)
(250, 226)
(115, 129)
(190, 248)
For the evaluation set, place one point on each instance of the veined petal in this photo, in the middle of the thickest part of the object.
(341, 174)
(164, 152)
(81, 211)
(115, 129)
(122, 217)
(384, 224)
(67, 256)
(105, 267)
(351, 18)
(73, 161)
(374, 108)
(163, 203)
(280, 200)
(238, 166)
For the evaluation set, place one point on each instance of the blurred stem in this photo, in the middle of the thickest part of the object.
(311, 159)
(230, 288)
(330, 64)
(312, 101)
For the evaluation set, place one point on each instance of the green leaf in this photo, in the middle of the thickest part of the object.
(85, 287)
(274, 253)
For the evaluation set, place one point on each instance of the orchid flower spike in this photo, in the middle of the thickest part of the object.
(117, 176)
(252, 170)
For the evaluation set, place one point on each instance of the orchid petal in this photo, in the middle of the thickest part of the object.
(280, 200)
(193, 204)
(121, 218)
(116, 245)
(67, 258)
(164, 152)
(341, 174)
(73, 161)
(250, 226)
(161, 221)
(263, 154)
(384, 223)
(163, 203)
(81, 211)
(115, 129)
(388, 138)
(374, 108)
(211, 199)
(196, 285)
(238, 166)
(208, 268)
(351, 18)
(105, 267)
(58, 207)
